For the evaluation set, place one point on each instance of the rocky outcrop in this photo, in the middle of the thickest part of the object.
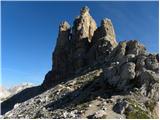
(83, 26)
(93, 76)
(82, 33)
(60, 57)
(106, 32)
(90, 95)
(103, 42)
(79, 46)
(127, 66)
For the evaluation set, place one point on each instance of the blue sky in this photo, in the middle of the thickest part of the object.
(29, 32)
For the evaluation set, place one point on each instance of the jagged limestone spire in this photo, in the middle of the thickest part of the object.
(109, 33)
(84, 26)
(64, 25)
(64, 32)
(84, 11)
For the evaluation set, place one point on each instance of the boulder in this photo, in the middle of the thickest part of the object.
(152, 62)
(119, 51)
(127, 71)
(148, 81)
(140, 62)
(120, 106)
(134, 47)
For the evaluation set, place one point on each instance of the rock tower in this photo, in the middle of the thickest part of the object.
(79, 46)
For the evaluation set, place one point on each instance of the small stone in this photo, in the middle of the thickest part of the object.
(99, 114)
(65, 114)
(120, 106)
(16, 105)
(70, 89)
(104, 103)
(129, 108)
(131, 55)
(117, 62)
(38, 101)
(104, 108)
(90, 105)
(72, 114)
(47, 98)
(98, 97)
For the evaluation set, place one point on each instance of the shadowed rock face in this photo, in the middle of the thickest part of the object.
(79, 47)
(106, 31)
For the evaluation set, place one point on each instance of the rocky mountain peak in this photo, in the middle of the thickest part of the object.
(84, 11)
(92, 76)
(76, 48)
(64, 26)
(84, 45)
(108, 31)
(63, 35)
(84, 26)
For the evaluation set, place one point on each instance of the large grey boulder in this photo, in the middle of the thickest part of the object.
(152, 62)
(127, 71)
(120, 106)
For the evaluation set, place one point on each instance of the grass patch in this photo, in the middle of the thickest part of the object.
(137, 112)
(150, 105)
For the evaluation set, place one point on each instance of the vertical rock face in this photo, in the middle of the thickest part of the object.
(82, 33)
(60, 57)
(84, 44)
(79, 46)
(84, 26)
(106, 31)
(103, 41)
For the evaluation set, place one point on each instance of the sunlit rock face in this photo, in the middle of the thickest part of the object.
(83, 26)
(82, 33)
(85, 45)
(80, 46)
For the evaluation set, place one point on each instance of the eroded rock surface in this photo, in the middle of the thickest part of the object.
(94, 76)
(79, 46)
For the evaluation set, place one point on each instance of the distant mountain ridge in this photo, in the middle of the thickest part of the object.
(5, 93)
(20, 87)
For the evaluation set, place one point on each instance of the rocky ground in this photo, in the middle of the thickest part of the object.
(93, 76)
(86, 97)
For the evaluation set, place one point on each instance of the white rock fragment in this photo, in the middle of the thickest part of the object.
(16, 105)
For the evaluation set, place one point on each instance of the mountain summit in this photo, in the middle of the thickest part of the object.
(79, 46)
(94, 76)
